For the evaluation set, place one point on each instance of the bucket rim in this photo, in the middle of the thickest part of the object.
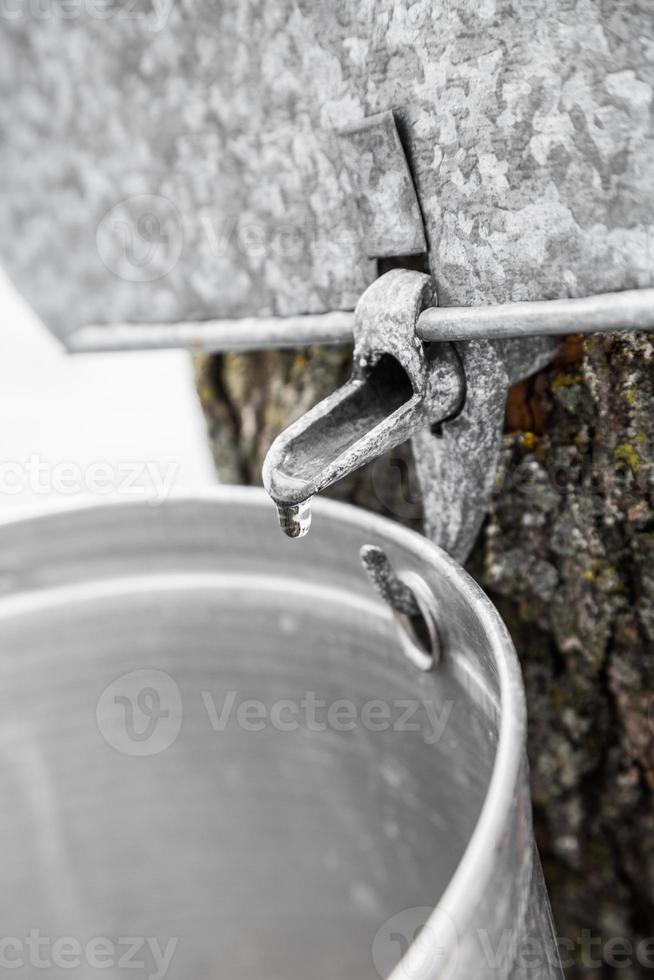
(473, 873)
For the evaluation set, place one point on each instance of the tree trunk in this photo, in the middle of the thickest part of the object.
(568, 556)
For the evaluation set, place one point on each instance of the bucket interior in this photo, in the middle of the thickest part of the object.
(212, 744)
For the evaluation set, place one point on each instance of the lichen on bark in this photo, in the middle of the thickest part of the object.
(569, 552)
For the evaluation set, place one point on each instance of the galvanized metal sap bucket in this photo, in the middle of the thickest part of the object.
(216, 758)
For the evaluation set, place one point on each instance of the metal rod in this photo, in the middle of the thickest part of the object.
(629, 310)
(246, 334)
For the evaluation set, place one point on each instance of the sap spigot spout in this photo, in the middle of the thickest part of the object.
(397, 388)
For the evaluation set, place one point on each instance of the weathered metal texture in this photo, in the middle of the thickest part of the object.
(375, 830)
(457, 467)
(386, 197)
(398, 386)
(177, 162)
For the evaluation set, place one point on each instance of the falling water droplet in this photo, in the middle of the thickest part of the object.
(295, 519)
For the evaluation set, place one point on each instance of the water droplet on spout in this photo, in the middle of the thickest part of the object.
(295, 519)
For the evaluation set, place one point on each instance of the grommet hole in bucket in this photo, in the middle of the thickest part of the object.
(419, 631)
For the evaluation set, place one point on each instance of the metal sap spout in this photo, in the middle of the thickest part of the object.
(355, 424)
(398, 387)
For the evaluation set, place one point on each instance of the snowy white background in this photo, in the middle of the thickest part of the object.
(93, 424)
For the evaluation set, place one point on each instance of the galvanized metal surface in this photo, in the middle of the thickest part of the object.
(386, 198)
(457, 467)
(177, 162)
(311, 851)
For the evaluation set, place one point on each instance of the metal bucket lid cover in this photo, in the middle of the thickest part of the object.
(167, 164)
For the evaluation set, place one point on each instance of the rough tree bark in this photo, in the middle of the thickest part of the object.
(568, 555)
